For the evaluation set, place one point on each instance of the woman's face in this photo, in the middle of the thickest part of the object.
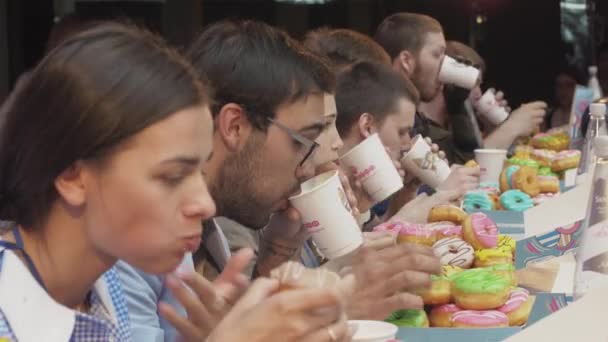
(145, 202)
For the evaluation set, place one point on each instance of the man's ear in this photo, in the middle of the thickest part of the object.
(366, 125)
(233, 126)
(406, 62)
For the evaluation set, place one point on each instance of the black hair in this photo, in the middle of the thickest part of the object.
(258, 67)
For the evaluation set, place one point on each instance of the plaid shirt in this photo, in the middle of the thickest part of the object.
(99, 324)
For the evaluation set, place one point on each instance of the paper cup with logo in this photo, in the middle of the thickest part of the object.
(373, 331)
(371, 165)
(424, 164)
(489, 108)
(491, 163)
(326, 214)
(454, 72)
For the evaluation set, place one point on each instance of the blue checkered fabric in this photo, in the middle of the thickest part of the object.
(120, 304)
(97, 325)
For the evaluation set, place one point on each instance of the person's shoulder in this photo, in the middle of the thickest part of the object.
(238, 236)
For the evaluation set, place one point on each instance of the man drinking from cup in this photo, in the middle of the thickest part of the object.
(416, 45)
(268, 117)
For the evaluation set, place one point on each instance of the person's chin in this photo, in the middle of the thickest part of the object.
(257, 221)
(163, 265)
(437, 89)
(259, 224)
(429, 94)
(282, 205)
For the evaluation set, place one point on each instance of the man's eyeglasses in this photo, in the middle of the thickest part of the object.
(308, 144)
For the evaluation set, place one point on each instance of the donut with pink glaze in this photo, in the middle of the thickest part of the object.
(480, 231)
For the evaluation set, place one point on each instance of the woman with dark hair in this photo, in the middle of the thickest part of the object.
(99, 161)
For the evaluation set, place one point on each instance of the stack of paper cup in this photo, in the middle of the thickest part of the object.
(373, 167)
(326, 213)
(489, 108)
(491, 163)
(459, 74)
(424, 164)
(373, 331)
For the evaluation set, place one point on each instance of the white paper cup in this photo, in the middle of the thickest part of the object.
(454, 72)
(373, 331)
(491, 163)
(489, 108)
(424, 164)
(373, 167)
(326, 213)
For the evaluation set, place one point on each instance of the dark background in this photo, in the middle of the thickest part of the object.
(520, 39)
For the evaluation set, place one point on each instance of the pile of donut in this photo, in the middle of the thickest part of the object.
(477, 287)
(529, 178)
(556, 139)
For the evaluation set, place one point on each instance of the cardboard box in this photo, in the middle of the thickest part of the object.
(583, 320)
(549, 230)
(545, 304)
(509, 222)
(549, 242)
(563, 210)
(554, 228)
(455, 335)
(569, 181)
(555, 243)
(555, 275)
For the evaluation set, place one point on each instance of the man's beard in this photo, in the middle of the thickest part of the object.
(426, 95)
(236, 192)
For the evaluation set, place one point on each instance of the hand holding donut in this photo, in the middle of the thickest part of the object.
(379, 240)
(417, 211)
(294, 315)
(462, 179)
(382, 276)
(527, 118)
